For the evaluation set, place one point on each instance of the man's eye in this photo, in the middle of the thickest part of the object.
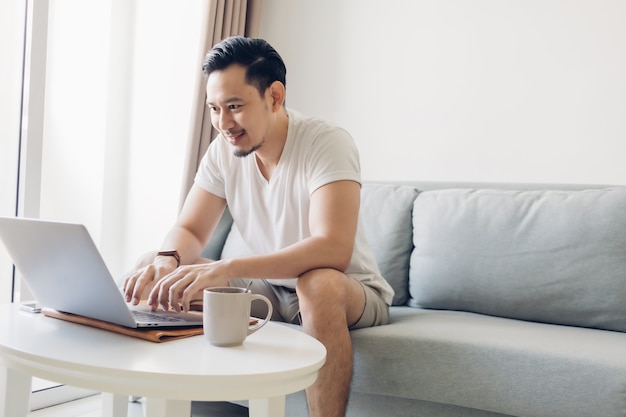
(213, 109)
(234, 106)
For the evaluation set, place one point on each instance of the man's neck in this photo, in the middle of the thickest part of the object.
(269, 154)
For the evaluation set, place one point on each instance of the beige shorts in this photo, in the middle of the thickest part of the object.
(287, 309)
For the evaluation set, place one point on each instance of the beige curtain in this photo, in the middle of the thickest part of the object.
(224, 18)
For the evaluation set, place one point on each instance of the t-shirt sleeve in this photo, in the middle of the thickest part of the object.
(333, 157)
(209, 175)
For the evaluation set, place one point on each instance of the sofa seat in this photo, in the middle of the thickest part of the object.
(499, 365)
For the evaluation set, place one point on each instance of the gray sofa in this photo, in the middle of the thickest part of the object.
(510, 301)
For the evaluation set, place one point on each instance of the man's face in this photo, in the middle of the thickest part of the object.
(237, 109)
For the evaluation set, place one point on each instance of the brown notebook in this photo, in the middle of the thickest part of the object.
(154, 335)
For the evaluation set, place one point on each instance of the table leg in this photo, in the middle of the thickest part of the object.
(15, 388)
(160, 407)
(114, 405)
(267, 407)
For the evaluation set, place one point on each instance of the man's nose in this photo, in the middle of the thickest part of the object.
(225, 121)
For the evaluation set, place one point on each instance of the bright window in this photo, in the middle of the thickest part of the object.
(12, 15)
(115, 100)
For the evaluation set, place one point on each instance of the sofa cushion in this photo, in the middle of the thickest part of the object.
(512, 367)
(547, 256)
(386, 218)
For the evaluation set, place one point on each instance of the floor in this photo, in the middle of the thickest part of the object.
(85, 407)
(92, 407)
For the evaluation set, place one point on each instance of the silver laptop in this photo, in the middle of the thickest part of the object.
(65, 271)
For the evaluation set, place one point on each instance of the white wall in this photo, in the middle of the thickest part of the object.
(482, 90)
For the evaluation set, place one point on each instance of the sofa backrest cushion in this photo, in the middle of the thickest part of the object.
(386, 218)
(214, 247)
(547, 256)
(235, 246)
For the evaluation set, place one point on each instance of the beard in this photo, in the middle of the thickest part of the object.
(242, 153)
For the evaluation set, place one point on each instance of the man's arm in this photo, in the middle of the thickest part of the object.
(333, 219)
(197, 220)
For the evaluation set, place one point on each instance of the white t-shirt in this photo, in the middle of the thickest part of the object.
(274, 214)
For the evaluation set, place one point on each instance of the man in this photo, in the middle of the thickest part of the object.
(292, 185)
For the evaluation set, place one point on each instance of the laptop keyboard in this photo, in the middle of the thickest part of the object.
(143, 316)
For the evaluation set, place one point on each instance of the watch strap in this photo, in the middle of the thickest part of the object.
(173, 253)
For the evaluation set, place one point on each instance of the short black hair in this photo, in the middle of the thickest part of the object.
(263, 64)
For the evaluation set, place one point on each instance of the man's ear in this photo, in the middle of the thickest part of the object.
(277, 94)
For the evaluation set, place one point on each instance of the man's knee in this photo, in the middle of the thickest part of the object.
(320, 285)
(329, 296)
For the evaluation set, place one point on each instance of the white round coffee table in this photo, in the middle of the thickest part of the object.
(275, 361)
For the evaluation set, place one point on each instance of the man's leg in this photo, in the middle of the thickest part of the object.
(329, 303)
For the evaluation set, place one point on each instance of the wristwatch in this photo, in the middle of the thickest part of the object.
(173, 253)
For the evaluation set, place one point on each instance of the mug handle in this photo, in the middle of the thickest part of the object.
(253, 328)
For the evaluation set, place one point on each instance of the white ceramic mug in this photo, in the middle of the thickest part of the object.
(226, 315)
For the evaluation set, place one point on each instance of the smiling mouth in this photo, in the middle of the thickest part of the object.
(234, 137)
